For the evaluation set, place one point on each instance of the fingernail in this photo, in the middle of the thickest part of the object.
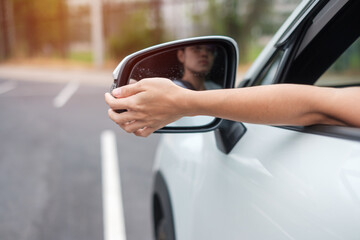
(116, 92)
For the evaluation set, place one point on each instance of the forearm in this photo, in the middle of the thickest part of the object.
(154, 103)
(282, 104)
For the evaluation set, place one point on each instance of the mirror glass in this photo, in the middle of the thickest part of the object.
(196, 67)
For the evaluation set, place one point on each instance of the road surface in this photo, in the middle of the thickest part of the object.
(51, 158)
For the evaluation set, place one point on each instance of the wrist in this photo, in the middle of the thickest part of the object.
(184, 101)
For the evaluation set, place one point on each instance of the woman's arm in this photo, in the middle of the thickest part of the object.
(154, 103)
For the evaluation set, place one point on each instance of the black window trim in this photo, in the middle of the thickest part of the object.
(342, 132)
(277, 53)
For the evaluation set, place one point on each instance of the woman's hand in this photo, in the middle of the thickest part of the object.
(150, 103)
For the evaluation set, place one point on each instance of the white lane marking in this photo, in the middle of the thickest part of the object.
(113, 213)
(66, 93)
(6, 87)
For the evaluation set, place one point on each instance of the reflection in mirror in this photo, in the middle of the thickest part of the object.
(196, 67)
(196, 121)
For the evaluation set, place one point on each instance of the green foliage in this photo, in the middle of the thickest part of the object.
(253, 52)
(133, 35)
(220, 18)
(85, 57)
(233, 18)
(349, 61)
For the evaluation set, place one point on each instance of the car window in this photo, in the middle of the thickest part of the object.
(268, 75)
(317, 47)
(345, 71)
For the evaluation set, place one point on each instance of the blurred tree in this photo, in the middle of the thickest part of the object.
(157, 30)
(233, 18)
(41, 26)
(79, 23)
(134, 30)
(6, 29)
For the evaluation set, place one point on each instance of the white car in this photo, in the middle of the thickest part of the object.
(229, 180)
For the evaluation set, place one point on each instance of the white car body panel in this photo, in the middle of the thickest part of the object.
(276, 183)
(258, 191)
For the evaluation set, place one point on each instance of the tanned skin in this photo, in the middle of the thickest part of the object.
(155, 102)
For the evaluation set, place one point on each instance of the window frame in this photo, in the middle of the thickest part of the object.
(293, 47)
(310, 58)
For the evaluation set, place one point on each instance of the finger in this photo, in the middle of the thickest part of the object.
(127, 90)
(132, 81)
(145, 132)
(117, 103)
(133, 126)
(122, 118)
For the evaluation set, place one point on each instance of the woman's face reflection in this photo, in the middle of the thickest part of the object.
(197, 59)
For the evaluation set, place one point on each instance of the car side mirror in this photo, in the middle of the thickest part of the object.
(199, 64)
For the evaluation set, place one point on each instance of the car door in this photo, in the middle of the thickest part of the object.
(280, 184)
(289, 182)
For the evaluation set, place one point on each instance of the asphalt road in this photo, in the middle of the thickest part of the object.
(50, 164)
